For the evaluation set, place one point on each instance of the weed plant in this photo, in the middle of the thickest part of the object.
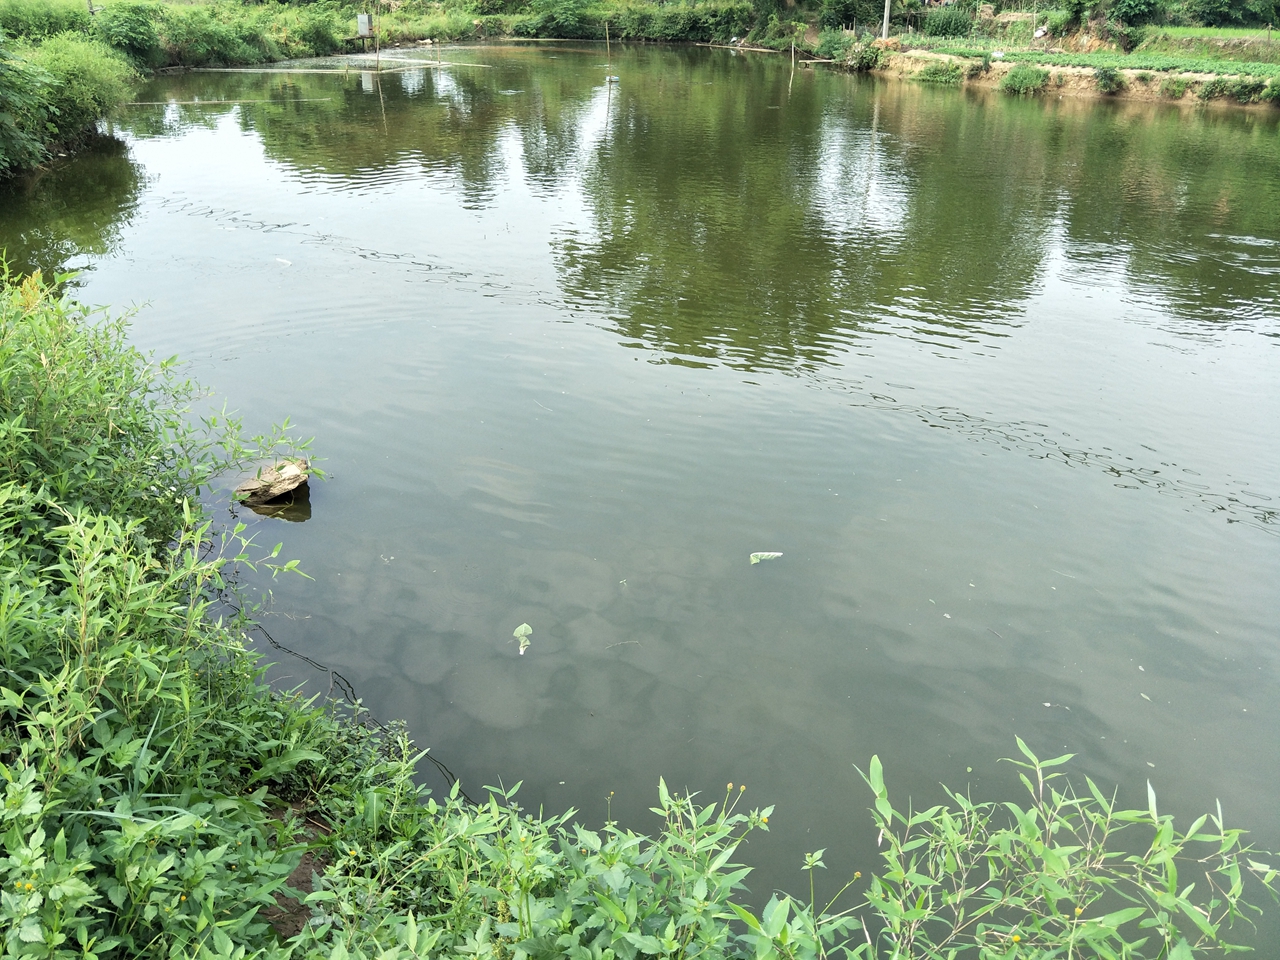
(23, 89)
(833, 45)
(1240, 89)
(88, 80)
(37, 19)
(864, 56)
(943, 73)
(1025, 80)
(54, 92)
(947, 22)
(1109, 79)
(978, 68)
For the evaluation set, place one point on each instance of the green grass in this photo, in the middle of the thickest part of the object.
(36, 19)
(1217, 33)
(1138, 60)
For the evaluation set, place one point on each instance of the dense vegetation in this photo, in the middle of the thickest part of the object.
(159, 796)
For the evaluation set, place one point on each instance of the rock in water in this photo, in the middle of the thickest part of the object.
(274, 481)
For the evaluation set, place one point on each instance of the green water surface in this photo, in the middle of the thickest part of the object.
(1000, 379)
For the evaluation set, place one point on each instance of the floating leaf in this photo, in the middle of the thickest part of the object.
(521, 633)
(765, 555)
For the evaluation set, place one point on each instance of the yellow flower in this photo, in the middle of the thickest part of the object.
(730, 786)
(352, 852)
(764, 819)
(742, 787)
(857, 874)
(183, 897)
(1016, 938)
(1079, 910)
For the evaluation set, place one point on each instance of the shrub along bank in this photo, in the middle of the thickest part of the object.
(159, 796)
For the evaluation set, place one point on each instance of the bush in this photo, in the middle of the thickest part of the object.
(1240, 89)
(1136, 12)
(1174, 88)
(704, 23)
(978, 68)
(87, 81)
(320, 31)
(839, 14)
(833, 44)
(22, 93)
(560, 18)
(1214, 89)
(37, 19)
(863, 57)
(490, 8)
(1226, 13)
(196, 36)
(1058, 22)
(1109, 79)
(944, 73)
(1077, 10)
(1024, 80)
(947, 22)
(1248, 89)
(130, 27)
(1126, 36)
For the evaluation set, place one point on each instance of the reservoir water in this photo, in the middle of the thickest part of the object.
(999, 379)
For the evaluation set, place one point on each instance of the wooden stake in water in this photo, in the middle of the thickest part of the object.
(608, 53)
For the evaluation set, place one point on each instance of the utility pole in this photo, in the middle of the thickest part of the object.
(884, 31)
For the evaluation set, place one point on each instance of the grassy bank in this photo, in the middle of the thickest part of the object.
(53, 93)
(160, 799)
(1102, 74)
